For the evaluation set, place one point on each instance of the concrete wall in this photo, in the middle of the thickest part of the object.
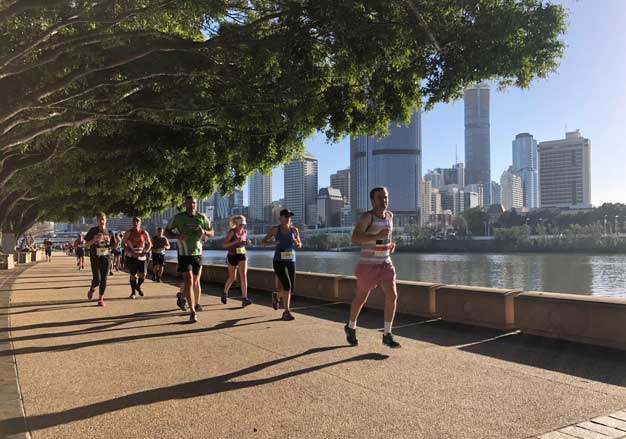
(6, 261)
(584, 319)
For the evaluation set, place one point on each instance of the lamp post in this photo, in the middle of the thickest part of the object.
(605, 218)
(615, 225)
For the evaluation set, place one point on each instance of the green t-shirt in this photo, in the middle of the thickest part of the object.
(191, 226)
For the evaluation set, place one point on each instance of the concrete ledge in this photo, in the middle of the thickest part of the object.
(262, 279)
(6, 261)
(21, 257)
(317, 285)
(583, 319)
(488, 307)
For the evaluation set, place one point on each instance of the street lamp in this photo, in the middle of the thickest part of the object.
(605, 218)
(615, 226)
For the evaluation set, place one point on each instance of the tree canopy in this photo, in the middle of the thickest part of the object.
(186, 95)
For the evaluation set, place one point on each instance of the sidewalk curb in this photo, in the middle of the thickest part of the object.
(11, 402)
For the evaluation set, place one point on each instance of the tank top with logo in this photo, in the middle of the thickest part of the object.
(379, 251)
(137, 243)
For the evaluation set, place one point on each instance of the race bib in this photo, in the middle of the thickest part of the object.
(158, 250)
(287, 256)
(141, 258)
(241, 250)
(382, 249)
(104, 251)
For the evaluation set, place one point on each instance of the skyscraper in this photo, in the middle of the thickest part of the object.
(525, 164)
(565, 171)
(394, 161)
(341, 181)
(301, 189)
(511, 190)
(260, 197)
(496, 193)
(477, 139)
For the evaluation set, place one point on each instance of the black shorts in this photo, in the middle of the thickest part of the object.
(115, 252)
(80, 252)
(135, 266)
(189, 263)
(48, 252)
(158, 258)
(235, 259)
(286, 272)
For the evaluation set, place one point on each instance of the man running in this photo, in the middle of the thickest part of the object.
(190, 228)
(137, 244)
(79, 248)
(373, 232)
(48, 246)
(160, 243)
(100, 241)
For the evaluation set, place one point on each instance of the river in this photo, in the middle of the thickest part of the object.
(599, 275)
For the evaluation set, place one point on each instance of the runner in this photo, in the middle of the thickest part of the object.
(121, 262)
(286, 237)
(79, 246)
(190, 228)
(48, 245)
(236, 241)
(373, 232)
(137, 244)
(159, 244)
(100, 241)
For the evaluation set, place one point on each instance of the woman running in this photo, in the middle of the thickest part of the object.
(100, 241)
(236, 241)
(79, 246)
(286, 237)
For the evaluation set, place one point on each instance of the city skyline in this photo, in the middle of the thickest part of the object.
(575, 97)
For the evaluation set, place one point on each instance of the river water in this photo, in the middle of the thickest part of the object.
(600, 275)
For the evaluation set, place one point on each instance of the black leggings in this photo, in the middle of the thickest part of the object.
(99, 272)
(286, 272)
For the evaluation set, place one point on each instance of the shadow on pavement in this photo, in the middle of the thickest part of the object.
(193, 389)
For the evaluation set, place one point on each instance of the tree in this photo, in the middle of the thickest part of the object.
(476, 217)
(217, 68)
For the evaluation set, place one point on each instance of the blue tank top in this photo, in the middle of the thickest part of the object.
(285, 250)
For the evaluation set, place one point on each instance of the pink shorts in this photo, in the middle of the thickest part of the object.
(369, 276)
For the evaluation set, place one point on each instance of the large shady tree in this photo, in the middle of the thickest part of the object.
(242, 81)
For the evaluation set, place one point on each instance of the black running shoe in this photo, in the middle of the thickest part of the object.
(389, 341)
(224, 298)
(181, 302)
(245, 302)
(193, 318)
(287, 316)
(351, 335)
(158, 279)
(132, 296)
(198, 307)
(275, 301)
(139, 291)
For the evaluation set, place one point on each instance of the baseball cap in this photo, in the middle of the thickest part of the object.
(286, 212)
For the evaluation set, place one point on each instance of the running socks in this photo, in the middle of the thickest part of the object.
(387, 329)
(352, 324)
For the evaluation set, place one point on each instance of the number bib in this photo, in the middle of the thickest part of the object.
(158, 250)
(103, 251)
(141, 258)
(241, 250)
(382, 249)
(287, 256)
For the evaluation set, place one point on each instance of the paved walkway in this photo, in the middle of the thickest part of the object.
(135, 369)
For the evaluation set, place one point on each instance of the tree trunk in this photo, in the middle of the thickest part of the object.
(9, 241)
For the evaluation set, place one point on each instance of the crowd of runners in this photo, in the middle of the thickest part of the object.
(131, 250)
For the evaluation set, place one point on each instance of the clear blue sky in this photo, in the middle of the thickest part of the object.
(588, 92)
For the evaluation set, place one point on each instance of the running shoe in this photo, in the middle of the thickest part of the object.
(198, 307)
(132, 296)
(101, 301)
(158, 279)
(245, 302)
(193, 318)
(90, 293)
(224, 298)
(111, 273)
(139, 291)
(181, 302)
(390, 342)
(275, 300)
(287, 316)
(351, 335)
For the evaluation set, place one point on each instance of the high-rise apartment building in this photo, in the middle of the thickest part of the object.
(511, 190)
(341, 181)
(565, 172)
(525, 164)
(477, 139)
(394, 161)
(301, 189)
(260, 197)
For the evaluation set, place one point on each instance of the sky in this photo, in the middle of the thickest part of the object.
(587, 92)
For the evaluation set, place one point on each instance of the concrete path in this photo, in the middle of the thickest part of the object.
(136, 369)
